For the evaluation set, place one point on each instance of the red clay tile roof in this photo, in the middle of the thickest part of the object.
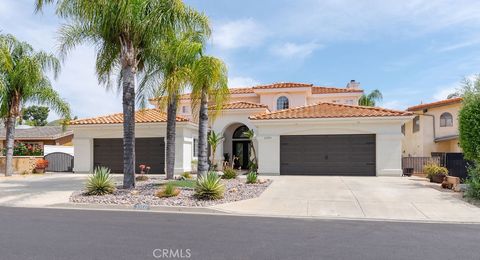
(315, 89)
(436, 104)
(142, 116)
(328, 90)
(242, 105)
(329, 110)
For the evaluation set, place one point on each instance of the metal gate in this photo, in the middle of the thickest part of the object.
(456, 165)
(59, 162)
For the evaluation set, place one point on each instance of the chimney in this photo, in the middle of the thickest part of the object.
(353, 84)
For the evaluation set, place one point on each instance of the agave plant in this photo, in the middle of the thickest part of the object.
(252, 177)
(168, 191)
(209, 187)
(100, 183)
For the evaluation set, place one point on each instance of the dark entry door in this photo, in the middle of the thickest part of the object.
(241, 151)
(347, 155)
(148, 151)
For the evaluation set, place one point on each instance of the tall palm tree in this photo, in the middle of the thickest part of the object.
(370, 99)
(172, 72)
(23, 80)
(126, 35)
(209, 81)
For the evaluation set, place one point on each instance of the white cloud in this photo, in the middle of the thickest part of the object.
(295, 50)
(238, 34)
(238, 82)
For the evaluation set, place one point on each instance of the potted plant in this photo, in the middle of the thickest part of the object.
(40, 165)
(144, 169)
(435, 172)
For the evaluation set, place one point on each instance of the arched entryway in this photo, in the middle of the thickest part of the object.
(236, 145)
(240, 148)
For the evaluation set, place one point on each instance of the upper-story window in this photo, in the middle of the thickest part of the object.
(184, 109)
(282, 103)
(416, 124)
(446, 119)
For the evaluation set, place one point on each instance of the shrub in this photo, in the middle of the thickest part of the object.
(41, 164)
(141, 178)
(252, 177)
(209, 187)
(168, 191)
(432, 170)
(473, 183)
(186, 175)
(100, 183)
(229, 173)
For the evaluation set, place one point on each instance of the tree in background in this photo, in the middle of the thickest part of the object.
(209, 79)
(35, 115)
(371, 99)
(126, 35)
(23, 80)
(469, 132)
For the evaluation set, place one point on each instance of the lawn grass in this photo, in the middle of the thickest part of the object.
(183, 183)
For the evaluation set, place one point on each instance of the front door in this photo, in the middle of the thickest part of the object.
(241, 152)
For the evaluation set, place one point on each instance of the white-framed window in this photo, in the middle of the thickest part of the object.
(416, 124)
(446, 120)
(184, 109)
(282, 103)
(195, 147)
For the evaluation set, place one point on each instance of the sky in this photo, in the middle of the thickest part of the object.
(413, 51)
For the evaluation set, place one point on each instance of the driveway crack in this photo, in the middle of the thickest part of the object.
(353, 194)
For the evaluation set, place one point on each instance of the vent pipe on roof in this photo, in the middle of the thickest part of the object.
(353, 84)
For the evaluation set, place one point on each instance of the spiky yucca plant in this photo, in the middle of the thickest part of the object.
(229, 173)
(209, 187)
(168, 191)
(100, 183)
(252, 177)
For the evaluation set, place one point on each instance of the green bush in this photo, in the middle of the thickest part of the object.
(100, 183)
(252, 177)
(473, 182)
(209, 187)
(168, 191)
(229, 173)
(433, 169)
(186, 175)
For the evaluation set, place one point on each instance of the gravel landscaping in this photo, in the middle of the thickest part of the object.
(144, 193)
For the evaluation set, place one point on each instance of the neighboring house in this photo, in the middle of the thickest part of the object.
(300, 129)
(433, 130)
(42, 135)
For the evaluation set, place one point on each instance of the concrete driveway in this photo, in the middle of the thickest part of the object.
(39, 190)
(395, 198)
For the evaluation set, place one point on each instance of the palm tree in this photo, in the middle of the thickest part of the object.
(172, 72)
(126, 35)
(209, 81)
(370, 99)
(253, 164)
(214, 141)
(23, 80)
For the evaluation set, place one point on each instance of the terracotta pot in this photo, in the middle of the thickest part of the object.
(39, 170)
(438, 178)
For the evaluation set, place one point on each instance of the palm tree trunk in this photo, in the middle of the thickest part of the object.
(10, 139)
(202, 136)
(128, 74)
(171, 129)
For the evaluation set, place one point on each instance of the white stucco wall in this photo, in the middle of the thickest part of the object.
(387, 131)
(84, 135)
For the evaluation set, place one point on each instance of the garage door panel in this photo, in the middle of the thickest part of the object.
(148, 151)
(328, 155)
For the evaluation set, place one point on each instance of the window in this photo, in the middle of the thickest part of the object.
(446, 119)
(195, 147)
(403, 129)
(240, 132)
(184, 109)
(282, 103)
(416, 124)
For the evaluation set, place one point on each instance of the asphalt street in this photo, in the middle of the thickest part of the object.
(50, 234)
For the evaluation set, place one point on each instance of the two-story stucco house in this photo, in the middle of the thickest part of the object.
(433, 130)
(300, 129)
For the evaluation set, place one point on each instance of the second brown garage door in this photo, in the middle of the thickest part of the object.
(344, 155)
(148, 151)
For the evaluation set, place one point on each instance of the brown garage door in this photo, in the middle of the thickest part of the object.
(347, 155)
(148, 151)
